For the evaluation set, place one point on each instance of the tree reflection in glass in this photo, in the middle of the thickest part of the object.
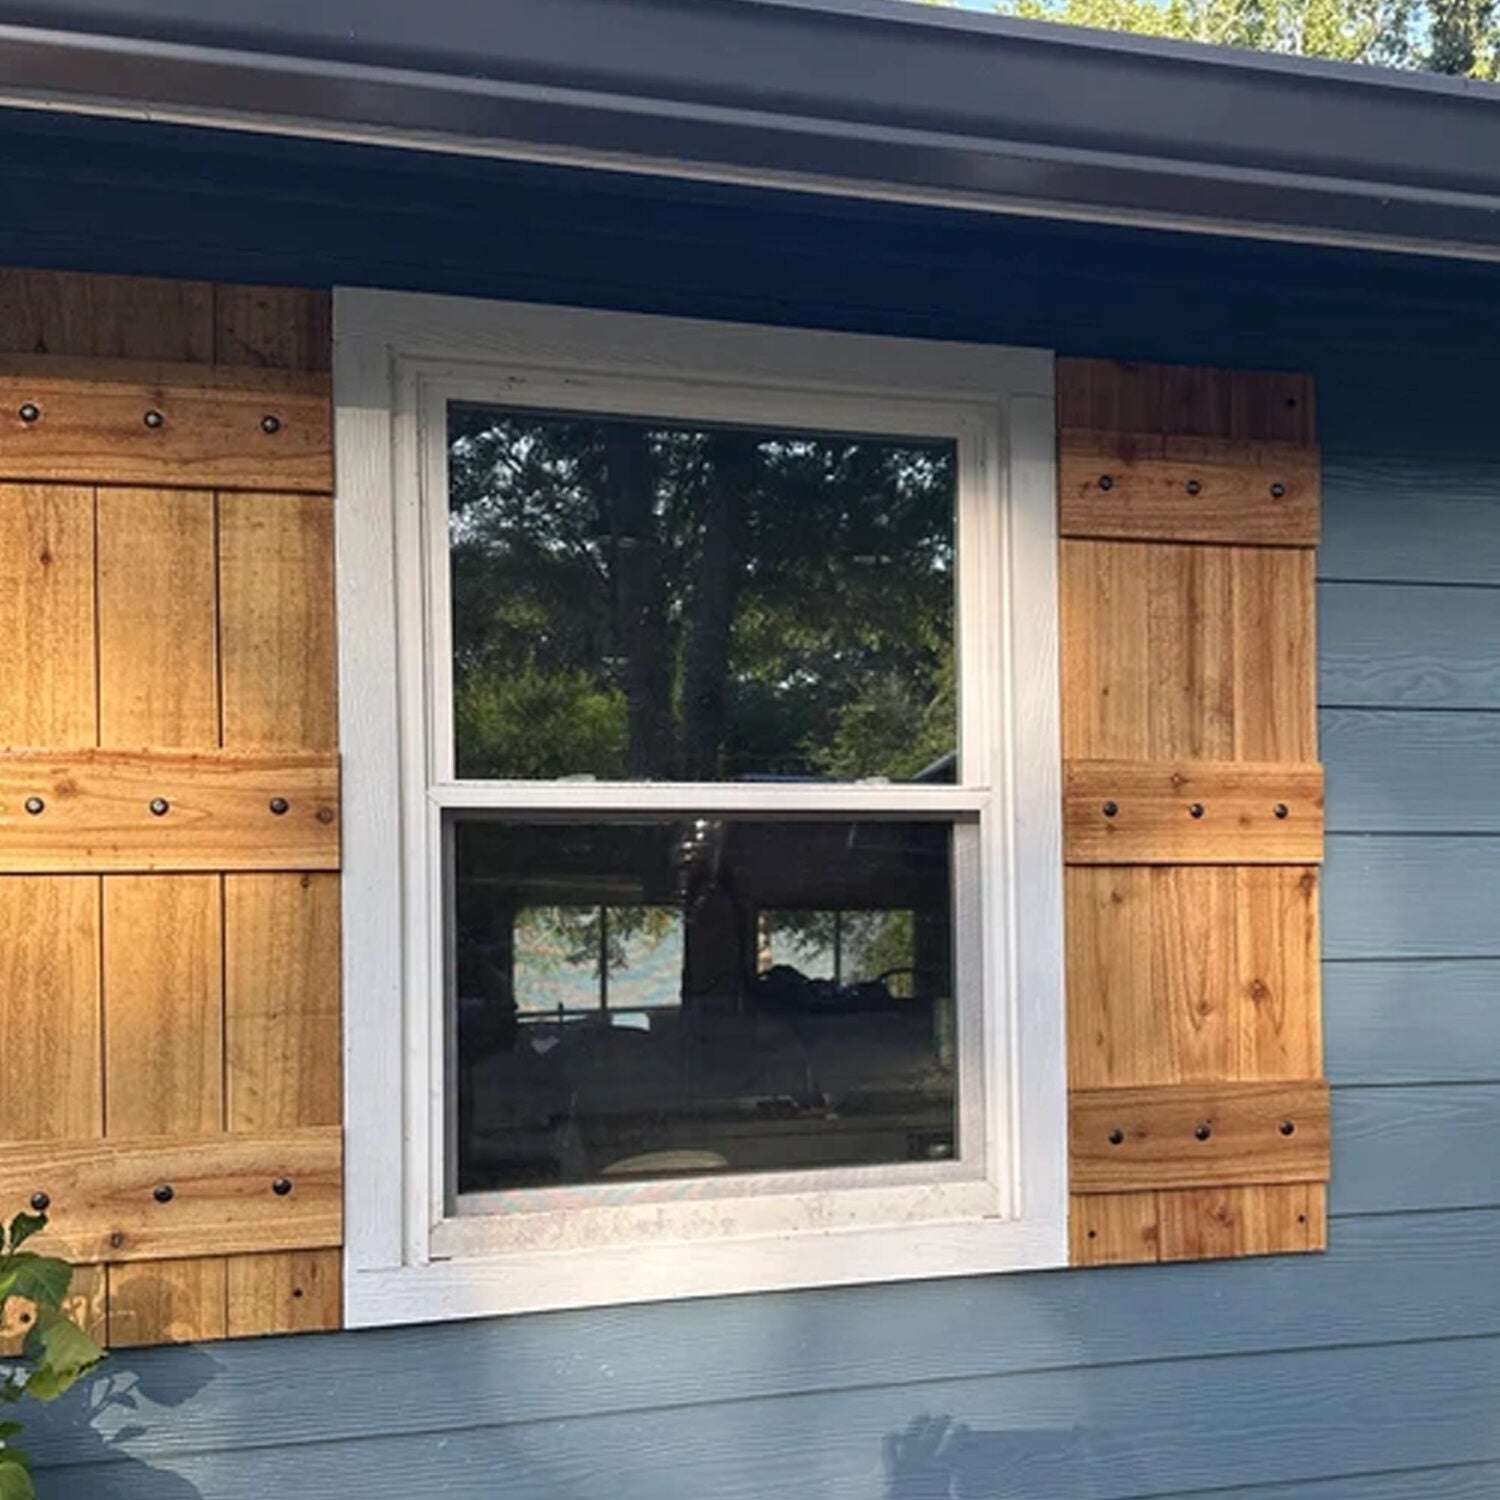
(657, 601)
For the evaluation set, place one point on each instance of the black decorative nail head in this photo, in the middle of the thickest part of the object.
(1203, 1132)
(1277, 491)
(1193, 487)
(1106, 482)
(29, 411)
(1110, 809)
(1196, 810)
(153, 418)
(35, 805)
(160, 807)
(41, 1202)
(282, 1186)
(1287, 1128)
(279, 805)
(1281, 809)
(1117, 1137)
(164, 1193)
(270, 424)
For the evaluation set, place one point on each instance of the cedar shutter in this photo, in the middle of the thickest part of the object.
(1193, 818)
(169, 843)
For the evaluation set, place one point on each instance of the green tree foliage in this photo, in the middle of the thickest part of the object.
(1460, 37)
(56, 1352)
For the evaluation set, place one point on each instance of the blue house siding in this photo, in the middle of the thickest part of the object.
(1370, 1373)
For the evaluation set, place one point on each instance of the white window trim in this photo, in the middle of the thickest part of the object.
(404, 1260)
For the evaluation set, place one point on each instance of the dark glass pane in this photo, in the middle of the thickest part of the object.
(650, 997)
(648, 600)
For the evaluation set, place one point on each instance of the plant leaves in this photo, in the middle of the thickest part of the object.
(15, 1481)
(38, 1278)
(23, 1226)
(60, 1352)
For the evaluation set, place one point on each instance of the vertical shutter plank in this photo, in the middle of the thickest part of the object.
(1189, 662)
(163, 1005)
(1108, 922)
(158, 678)
(163, 937)
(282, 1000)
(1112, 1229)
(1279, 972)
(1105, 686)
(50, 1080)
(294, 1291)
(284, 1064)
(167, 1302)
(276, 622)
(1193, 971)
(47, 671)
(1275, 714)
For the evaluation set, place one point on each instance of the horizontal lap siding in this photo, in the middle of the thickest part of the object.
(1366, 1374)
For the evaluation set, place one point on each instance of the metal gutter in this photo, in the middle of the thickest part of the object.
(874, 98)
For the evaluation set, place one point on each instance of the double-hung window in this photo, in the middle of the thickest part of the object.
(701, 776)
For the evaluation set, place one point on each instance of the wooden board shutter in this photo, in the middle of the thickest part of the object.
(1193, 823)
(169, 843)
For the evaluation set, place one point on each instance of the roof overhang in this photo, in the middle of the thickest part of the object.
(872, 98)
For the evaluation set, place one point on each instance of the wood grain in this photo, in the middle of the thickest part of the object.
(1190, 973)
(1191, 812)
(163, 1005)
(104, 1204)
(47, 667)
(296, 1291)
(1197, 1135)
(282, 1018)
(167, 1302)
(276, 621)
(1194, 807)
(1186, 401)
(1112, 1229)
(120, 422)
(274, 327)
(1139, 486)
(1170, 652)
(1223, 1223)
(50, 1063)
(83, 315)
(158, 662)
(98, 811)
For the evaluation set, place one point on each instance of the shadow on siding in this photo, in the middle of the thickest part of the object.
(936, 1458)
(96, 1423)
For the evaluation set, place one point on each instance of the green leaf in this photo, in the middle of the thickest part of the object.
(38, 1278)
(9, 1430)
(60, 1352)
(23, 1226)
(15, 1481)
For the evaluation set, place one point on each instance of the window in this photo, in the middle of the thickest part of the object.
(702, 855)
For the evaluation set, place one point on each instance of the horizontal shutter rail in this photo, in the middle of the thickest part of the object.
(125, 423)
(114, 811)
(1145, 487)
(1119, 812)
(1198, 1135)
(159, 1198)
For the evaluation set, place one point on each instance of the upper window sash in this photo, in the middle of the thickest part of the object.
(426, 389)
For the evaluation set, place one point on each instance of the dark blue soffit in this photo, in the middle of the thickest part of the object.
(874, 97)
